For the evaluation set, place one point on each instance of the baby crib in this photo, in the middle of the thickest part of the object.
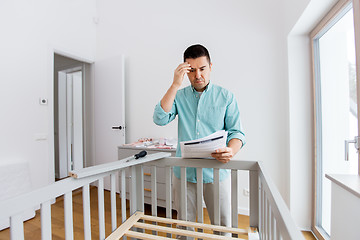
(268, 212)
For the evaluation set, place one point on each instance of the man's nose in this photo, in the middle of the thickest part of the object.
(198, 74)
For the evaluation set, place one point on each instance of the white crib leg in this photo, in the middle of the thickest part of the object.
(153, 191)
(46, 220)
(183, 193)
(168, 192)
(101, 210)
(123, 197)
(199, 196)
(272, 225)
(216, 196)
(113, 201)
(137, 189)
(234, 199)
(168, 195)
(153, 195)
(86, 210)
(68, 216)
(16, 228)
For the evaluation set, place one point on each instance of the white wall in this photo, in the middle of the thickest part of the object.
(247, 44)
(30, 30)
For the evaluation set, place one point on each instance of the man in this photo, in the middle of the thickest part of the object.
(202, 108)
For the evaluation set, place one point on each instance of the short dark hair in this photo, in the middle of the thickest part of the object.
(196, 51)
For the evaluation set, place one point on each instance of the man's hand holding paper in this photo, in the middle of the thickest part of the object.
(205, 147)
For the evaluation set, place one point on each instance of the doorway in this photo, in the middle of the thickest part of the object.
(70, 80)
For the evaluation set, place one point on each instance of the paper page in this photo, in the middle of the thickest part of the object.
(203, 147)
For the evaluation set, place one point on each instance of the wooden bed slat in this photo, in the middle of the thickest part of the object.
(145, 236)
(123, 228)
(178, 231)
(195, 225)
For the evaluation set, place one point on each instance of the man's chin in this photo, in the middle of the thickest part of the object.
(199, 87)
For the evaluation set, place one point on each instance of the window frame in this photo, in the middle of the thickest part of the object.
(327, 21)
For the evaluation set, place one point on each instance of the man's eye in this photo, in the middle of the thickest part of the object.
(202, 69)
(192, 70)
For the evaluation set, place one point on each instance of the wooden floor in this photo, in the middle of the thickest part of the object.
(33, 232)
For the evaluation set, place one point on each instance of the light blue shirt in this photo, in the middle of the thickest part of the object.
(200, 115)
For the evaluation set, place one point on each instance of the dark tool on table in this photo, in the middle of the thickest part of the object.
(137, 156)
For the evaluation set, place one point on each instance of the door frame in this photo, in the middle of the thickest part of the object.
(329, 18)
(87, 76)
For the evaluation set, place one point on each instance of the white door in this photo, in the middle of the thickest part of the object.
(109, 109)
(70, 102)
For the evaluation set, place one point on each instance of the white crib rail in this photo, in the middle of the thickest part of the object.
(14, 207)
(268, 211)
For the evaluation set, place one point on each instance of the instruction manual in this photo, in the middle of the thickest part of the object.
(203, 147)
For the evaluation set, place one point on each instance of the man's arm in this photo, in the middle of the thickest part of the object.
(225, 154)
(169, 97)
(235, 133)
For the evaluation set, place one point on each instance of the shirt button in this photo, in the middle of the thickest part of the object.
(198, 133)
(198, 120)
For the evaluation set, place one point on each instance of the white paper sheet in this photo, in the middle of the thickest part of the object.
(203, 147)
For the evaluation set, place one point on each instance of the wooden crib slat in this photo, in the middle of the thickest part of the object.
(195, 225)
(68, 216)
(200, 190)
(86, 211)
(216, 196)
(145, 236)
(45, 220)
(178, 231)
(113, 201)
(16, 227)
(101, 209)
(183, 191)
(123, 196)
(123, 228)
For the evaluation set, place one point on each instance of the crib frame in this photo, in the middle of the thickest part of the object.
(268, 211)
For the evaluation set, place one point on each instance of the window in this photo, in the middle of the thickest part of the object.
(336, 104)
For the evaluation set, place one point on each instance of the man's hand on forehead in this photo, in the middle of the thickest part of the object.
(192, 69)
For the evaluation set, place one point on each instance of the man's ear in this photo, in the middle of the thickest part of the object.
(210, 66)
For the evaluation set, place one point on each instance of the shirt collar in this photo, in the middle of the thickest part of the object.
(207, 88)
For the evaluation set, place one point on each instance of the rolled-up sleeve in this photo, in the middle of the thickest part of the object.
(161, 117)
(232, 121)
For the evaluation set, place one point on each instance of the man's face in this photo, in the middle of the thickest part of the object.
(199, 74)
